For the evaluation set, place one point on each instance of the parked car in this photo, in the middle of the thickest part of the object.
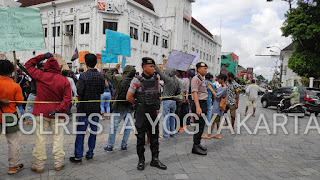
(309, 97)
(312, 100)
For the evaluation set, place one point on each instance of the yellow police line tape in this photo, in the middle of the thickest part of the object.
(89, 101)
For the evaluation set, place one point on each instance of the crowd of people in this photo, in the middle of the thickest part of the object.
(121, 91)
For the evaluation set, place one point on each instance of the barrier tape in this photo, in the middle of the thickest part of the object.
(89, 101)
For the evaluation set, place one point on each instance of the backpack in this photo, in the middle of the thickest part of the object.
(122, 93)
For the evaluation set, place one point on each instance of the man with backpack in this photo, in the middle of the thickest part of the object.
(124, 108)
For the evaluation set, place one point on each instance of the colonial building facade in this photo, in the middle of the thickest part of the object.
(155, 27)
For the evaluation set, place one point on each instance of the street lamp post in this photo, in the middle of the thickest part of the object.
(54, 26)
(281, 61)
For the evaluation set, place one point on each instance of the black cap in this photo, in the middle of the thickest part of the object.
(201, 64)
(147, 60)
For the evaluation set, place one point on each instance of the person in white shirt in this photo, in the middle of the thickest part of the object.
(252, 92)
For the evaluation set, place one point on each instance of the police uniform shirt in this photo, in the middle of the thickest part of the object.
(200, 86)
(134, 85)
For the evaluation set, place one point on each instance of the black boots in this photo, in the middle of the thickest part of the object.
(156, 163)
(141, 164)
(198, 149)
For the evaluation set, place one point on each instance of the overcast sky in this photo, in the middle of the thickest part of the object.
(247, 28)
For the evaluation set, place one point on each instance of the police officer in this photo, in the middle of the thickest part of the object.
(199, 105)
(144, 92)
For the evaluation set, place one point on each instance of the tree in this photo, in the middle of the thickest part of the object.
(303, 25)
(261, 78)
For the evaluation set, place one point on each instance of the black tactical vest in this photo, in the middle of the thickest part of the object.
(149, 92)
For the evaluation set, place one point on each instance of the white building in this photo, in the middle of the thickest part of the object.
(288, 76)
(156, 27)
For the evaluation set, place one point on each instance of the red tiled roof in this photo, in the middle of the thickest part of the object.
(26, 3)
(145, 3)
(200, 26)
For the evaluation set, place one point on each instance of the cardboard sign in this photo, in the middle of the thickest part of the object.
(81, 56)
(108, 58)
(21, 29)
(118, 43)
(196, 59)
(179, 60)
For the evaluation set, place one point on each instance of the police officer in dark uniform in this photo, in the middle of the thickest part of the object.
(144, 92)
(199, 105)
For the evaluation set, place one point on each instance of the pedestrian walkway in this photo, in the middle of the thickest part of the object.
(234, 157)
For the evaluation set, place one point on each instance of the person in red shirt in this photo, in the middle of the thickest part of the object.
(51, 86)
(10, 91)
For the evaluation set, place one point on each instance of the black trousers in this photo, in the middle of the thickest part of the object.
(143, 126)
(201, 121)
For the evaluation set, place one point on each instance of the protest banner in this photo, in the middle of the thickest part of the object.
(21, 29)
(81, 56)
(196, 59)
(180, 60)
(118, 43)
(108, 58)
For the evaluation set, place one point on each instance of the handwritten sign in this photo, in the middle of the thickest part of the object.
(109, 58)
(20, 29)
(118, 43)
(196, 59)
(180, 60)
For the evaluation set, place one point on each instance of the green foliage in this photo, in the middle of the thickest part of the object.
(303, 25)
(261, 78)
(242, 81)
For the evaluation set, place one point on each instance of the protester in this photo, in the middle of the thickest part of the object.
(105, 99)
(221, 93)
(32, 95)
(199, 105)
(181, 99)
(144, 92)
(72, 84)
(71, 75)
(24, 84)
(90, 87)
(210, 94)
(10, 91)
(122, 84)
(171, 87)
(232, 97)
(185, 103)
(216, 83)
(252, 91)
(51, 86)
(81, 70)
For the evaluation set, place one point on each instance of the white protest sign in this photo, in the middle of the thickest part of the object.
(196, 59)
(180, 60)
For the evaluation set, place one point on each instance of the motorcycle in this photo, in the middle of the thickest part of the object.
(284, 107)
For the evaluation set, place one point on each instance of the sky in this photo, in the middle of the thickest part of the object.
(247, 28)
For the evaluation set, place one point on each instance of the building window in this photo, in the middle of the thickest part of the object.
(200, 54)
(45, 32)
(56, 31)
(145, 37)
(164, 43)
(155, 40)
(69, 29)
(109, 25)
(85, 28)
(134, 33)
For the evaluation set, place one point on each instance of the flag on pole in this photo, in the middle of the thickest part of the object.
(75, 55)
